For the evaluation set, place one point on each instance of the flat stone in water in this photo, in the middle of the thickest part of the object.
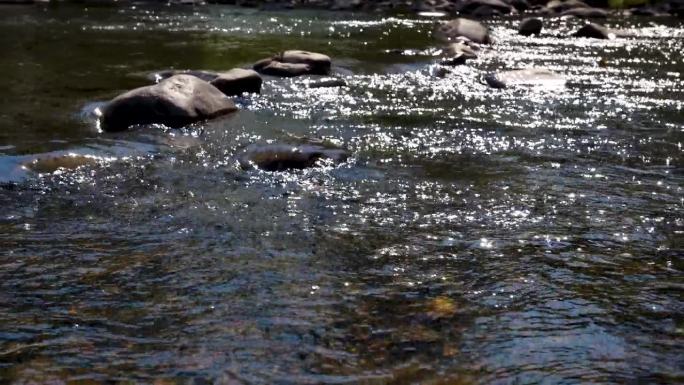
(237, 81)
(328, 83)
(294, 63)
(279, 157)
(525, 77)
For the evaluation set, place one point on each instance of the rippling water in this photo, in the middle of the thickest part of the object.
(477, 236)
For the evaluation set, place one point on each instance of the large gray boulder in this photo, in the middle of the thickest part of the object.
(279, 157)
(294, 63)
(525, 77)
(174, 102)
(461, 27)
(237, 81)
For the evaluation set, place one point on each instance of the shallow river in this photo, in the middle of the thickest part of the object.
(476, 236)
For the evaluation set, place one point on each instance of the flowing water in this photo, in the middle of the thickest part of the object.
(476, 236)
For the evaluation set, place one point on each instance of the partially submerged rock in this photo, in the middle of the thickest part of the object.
(286, 70)
(327, 83)
(457, 54)
(294, 63)
(560, 6)
(175, 102)
(525, 77)
(530, 26)
(207, 76)
(279, 157)
(49, 163)
(470, 7)
(238, 81)
(232, 82)
(595, 31)
(520, 5)
(594, 13)
(461, 27)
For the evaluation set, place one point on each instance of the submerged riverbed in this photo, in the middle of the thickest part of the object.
(475, 236)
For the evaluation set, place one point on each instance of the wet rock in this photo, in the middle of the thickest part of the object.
(524, 77)
(594, 13)
(294, 63)
(237, 81)
(458, 53)
(485, 11)
(543, 11)
(461, 27)
(279, 157)
(286, 70)
(207, 76)
(175, 102)
(521, 5)
(320, 64)
(530, 26)
(560, 6)
(327, 83)
(469, 6)
(434, 8)
(594, 31)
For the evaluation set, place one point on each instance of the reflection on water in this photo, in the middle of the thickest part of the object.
(476, 236)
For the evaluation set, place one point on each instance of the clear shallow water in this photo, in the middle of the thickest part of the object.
(477, 236)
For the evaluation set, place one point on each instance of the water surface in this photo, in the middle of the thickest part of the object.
(476, 236)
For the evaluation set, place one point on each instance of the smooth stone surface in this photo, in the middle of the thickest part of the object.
(320, 64)
(530, 26)
(174, 102)
(279, 157)
(594, 31)
(461, 27)
(525, 77)
(294, 63)
(238, 81)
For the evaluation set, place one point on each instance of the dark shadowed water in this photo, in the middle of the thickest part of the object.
(476, 236)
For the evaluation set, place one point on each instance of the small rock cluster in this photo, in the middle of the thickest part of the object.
(183, 97)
